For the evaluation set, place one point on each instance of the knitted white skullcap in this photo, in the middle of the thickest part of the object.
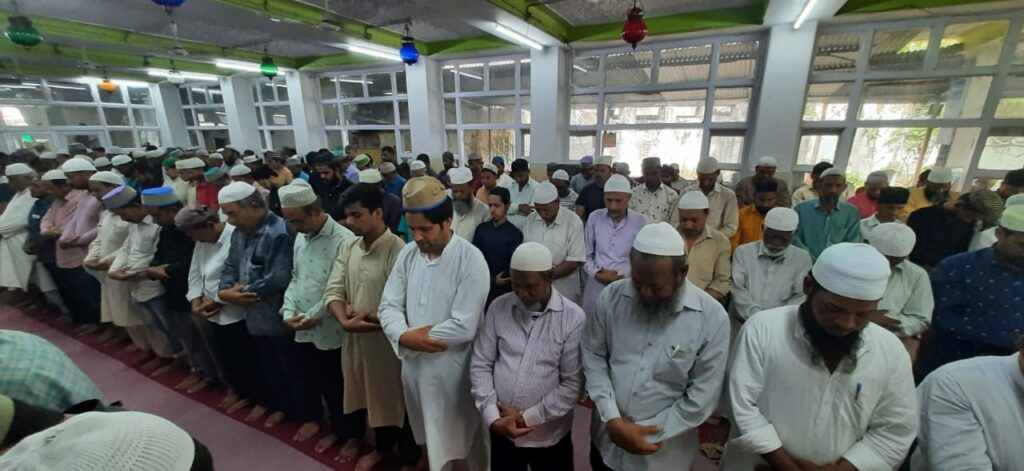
(1012, 218)
(250, 159)
(781, 219)
(617, 184)
(239, 170)
(216, 155)
(893, 239)
(138, 154)
(531, 256)
(17, 170)
(417, 165)
(833, 171)
(878, 176)
(767, 161)
(300, 182)
(707, 165)
(155, 153)
(54, 175)
(101, 162)
(940, 175)
(693, 200)
(545, 193)
(388, 167)
(855, 271)
(190, 164)
(107, 177)
(371, 175)
(62, 151)
(121, 160)
(296, 196)
(490, 168)
(659, 239)
(234, 192)
(605, 160)
(459, 175)
(77, 164)
(560, 175)
(48, 156)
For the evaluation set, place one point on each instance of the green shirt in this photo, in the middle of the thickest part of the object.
(819, 229)
(314, 258)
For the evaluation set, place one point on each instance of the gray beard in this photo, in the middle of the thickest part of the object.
(656, 309)
(461, 207)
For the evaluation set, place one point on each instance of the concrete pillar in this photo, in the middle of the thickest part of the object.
(426, 109)
(169, 115)
(304, 101)
(549, 105)
(241, 112)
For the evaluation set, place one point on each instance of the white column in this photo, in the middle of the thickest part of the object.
(241, 112)
(781, 101)
(169, 115)
(549, 105)
(304, 101)
(426, 109)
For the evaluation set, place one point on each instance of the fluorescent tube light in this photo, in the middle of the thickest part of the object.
(378, 53)
(581, 69)
(187, 75)
(517, 38)
(803, 13)
(237, 65)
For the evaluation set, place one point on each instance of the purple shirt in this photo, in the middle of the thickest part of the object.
(81, 228)
(530, 361)
(608, 246)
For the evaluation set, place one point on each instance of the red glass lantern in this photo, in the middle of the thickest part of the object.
(634, 30)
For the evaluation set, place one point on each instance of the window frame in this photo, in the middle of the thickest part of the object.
(401, 131)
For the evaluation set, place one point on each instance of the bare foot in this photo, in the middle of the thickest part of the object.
(206, 382)
(188, 382)
(274, 419)
(367, 462)
(256, 412)
(153, 363)
(306, 431)
(238, 405)
(130, 348)
(230, 398)
(86, 329)
(324, 443)
(165, 369)
(104, 336)
(349, 451)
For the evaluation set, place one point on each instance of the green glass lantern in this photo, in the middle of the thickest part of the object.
(268, 68)
(21, 32)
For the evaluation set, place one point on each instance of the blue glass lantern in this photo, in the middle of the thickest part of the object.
(169, 3)
(409, 54)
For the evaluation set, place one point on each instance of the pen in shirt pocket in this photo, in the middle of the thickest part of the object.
(856, 394)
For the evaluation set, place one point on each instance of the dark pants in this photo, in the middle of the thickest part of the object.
(238, 357)
(183, 335)
(596, 462)
(506, 456)
(319, 376)
(80, 292)
(277, 364)
(388, 437)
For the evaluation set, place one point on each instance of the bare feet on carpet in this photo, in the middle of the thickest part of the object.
(274, 419)
(306, 431)
(239, 405)
(105, 335)
(324, 443)
(86, 329)
(228, 400)
(205, 383)
(152, 363)
(173, 365)
(131, 348)
(256, 412)
(367, 462)
(188, 382)
(350, 450)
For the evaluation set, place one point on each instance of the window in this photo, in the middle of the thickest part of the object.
(273, 113)
(205, 118)
(906, 95)
(487, 106)
(366, 109)
(679, 101)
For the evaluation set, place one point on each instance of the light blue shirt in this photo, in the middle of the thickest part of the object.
(819, 229)
(314, 256)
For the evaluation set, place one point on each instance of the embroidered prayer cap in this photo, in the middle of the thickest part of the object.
(169, 163)
(101, 162)
(156, 153)
(856, 271)
(120, 160)
(707, 165)
(779, 219)
(617, 184)
(1013, 218)
(160, 196)
(693, 200)
(18, 170)
(78, 164)
(560, 175)
(659, 239)
(473, 156)
(300, 182)
(423, 194)
(138, 154)
(193, 216)
(191, 164)
(234, 192)
(213, 174)
(417, 165)
(118, 197)
(878, 176)
(386, 168)
(893, 239)
(54, 175)
(940, 175)
(250, 159)
(767, 161)
(370, 175)
(651, 163)
(362, 160)
(239, 170)
(488, 167)
(460, 175)
(216, 156)
(107, 177)
(587, 161)
(296, 196)
(833, 171)
(531, 256)
(605, 160)
(545, 193)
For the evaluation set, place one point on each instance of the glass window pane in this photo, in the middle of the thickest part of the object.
(403, 112)
(371, 141)
(211, 117)
(925, 99)
(406, 141)
(334, 140)
(524, 109)
(731, 105)
(88, 140)
(400, 82)
(198, 95)
(583, 111)
(124, 139)
(737, 60)
(379, 84)
(586, 72)
(189, 119)
(904, 152)
(816, 148)
(679, 146)
(628, 69)
(524, 74)
(489, 141)
(144, 117)
(685, 64)
(110, 97)
(827, 101)
(263, 141)
(331, 116)
(471, 77)
(1011, 105)
(69, 91)
(369, 113)
(18, 90)
(451, 139)
(448, 78)
(192, 139)
(526, 145)
(350, 86)
(214, 139)
(116, 117)
(139, 96)
(279, 115)
(727, 149)
(255, 92)
(153, 137)
(183, 95)
(449, 111)
(258, 111)
(267, 91)
(581, 144)
(282, 91)
(1004, 150)
(489, 110)
(966, 45)
(502, 75)
(899, 49)
(280, 138)
(328, 89)
(73, 116)
(216, 96)
(685, 106)
(836, 53)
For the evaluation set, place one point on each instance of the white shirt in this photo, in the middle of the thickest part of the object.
(908, 298)
(869, 223)
(465, 224)
(15, 264)
(505, 181)
(564, 238)
(760, 282)
(781, 396)
(204, 276)
(723, 209)
(520, 196)
(135, 256)
(983, 239)
(972, 416)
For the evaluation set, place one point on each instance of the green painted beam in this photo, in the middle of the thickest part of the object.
(52, 28)
(37, 70)
(479, 43)
(875, 6)
(678, 23)
(336, 60)
(102, 58)
(539, 15)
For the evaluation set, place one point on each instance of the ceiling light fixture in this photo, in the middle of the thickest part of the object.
(634, 29)
(408, 52)
(21, 32)
(267, 66)
(100, 81)
(171, 75)
(517, 38)
(804, 13)
(237, 65)
(579, 68)
(391, 55)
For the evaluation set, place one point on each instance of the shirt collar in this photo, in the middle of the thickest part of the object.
(556, 303)
(326, 230)
(225, 235)
(800, 334)
(763, 252)
(689, 300)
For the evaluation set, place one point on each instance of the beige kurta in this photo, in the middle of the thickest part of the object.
(116, 304)
(372, 372)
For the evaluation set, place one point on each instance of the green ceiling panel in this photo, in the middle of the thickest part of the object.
(479, 43)
(678, 23)
(875, 6)
(101, 58)
(539, 15)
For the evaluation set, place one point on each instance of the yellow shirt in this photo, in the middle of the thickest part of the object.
(284, 177)
(709, 260)
(918, 200)
(751, 227)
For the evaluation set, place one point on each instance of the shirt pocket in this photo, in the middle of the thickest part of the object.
(672, 365)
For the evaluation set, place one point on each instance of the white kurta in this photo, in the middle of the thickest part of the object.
(116, 303)
(783, 397)
(15, 264)
(972, 415)
(445, 293)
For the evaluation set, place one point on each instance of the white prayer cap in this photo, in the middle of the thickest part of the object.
(138, 154)
(545, 193)
(707, 165)
(1014, 200)
(48, 156)
(388, 167)
(114, 150)
(234, 192)
(617, 184)
(54, 175)
(300, 182)
(833, 171)
(296, 196)
(531, 256)
(855, 271)
(62, 151)
(940, 175)
(121, 160)
(660, 239)
(250, 159)
(560, 175)
(17, 170)
(491, 168)
(780, 219)
(767, 161)
(371, 175)
(605, 160)
(191, 163)
(239, 170)
(693, 200)
(460, 175)
(878, 176)
(1013, 218)
(229, 146)
(107, 177)
(77, 164)
(101, 162)
(622, 167)
(215, 156)
(156, 153)
(417, 165)
(893, 239)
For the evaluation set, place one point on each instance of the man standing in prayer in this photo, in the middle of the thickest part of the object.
(333, 185)
(707, 250)
(179, 184)
(937, 190)
(819, 386)
(372, 372)
(566, 196)
(393, 182)
(475, 163)
(275, 160)
(812, 191)
(469, 212)
(751, 218)
(241, 173)
(392, 204)
(521, 192)
(972, 414)
(867, 200)
(430, 311)
(255, 276)
(987, 237)
(586, 175)
(448, 163)
(526, 371)
(1012, 184)
(944, 230)
(488, 179)
(977, 298)
(608, 235)
(826, 221)
(318, 335)
(670, 177)
(592, 196)
(654, 355)
(16, 265)
(723, 214)
(417, 169)
(45, 270)
(504, 180)
(764, 170)
(191, 171)
(890, 202)
(78, 233)
(52, 227)
(769, 273)
(654, 199)
(906, 308)
(497, 239)
(561, 231)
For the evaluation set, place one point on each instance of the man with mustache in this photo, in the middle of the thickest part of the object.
(468, 211)
(890, 203)
(819, 386)
(937, 189)
(827, 221)
(764, 170)
(751, 217)
(654, 357)
(723, 214)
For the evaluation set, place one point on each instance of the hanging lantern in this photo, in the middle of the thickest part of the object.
(108, 86)
(21, 32)
(169, 5)
(268, 68)
(409, 54)
(634, 30)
